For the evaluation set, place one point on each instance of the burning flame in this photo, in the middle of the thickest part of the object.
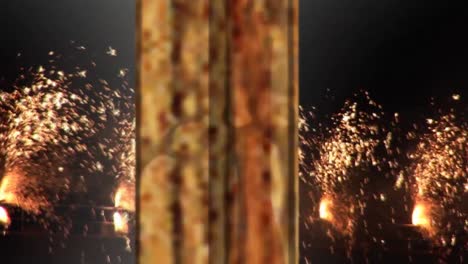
(120, 222)
(4, 218)
(420, 215)
(325, 209)
(15, 191)
(339, 215)
(125, 197)
(5, 190)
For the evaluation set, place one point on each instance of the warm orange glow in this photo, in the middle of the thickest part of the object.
(325, 209)
(124, 197)
(4, 218)
(420, 215)
(6, 189)
(120, 222)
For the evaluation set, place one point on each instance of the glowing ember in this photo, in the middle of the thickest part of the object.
(6, 190)
(325, 209)
(4, 218)
(120, 222)
(420, 216)
(125, 197)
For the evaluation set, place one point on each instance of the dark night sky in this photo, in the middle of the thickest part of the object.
(35, 27)
(403, 52)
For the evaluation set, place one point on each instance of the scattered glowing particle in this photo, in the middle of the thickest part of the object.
(123, 72)
(382, 197)
(82, 74)
(111, 51)
(453, 241)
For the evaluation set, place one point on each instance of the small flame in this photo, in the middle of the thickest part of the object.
(6, 189)
(420, 215)
(324, 209)
(4, 218)
(13, 192)
(125, 197)
(120, 222)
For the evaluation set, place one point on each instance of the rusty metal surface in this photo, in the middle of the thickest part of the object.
(218, 109)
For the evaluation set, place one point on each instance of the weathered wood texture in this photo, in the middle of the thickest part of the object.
(218, 109)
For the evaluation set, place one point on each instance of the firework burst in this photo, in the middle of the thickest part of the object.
(347, 155)
(65, 132)
(440, 173)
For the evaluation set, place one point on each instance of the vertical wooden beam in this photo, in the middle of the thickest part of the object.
(220, 135)
(218, 89)
(174, 87)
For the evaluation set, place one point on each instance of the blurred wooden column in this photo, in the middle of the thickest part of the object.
(218, 112)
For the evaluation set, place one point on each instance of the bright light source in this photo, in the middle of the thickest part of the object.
(325, 210)
(4, 218)
(120, 222)
(420, 215)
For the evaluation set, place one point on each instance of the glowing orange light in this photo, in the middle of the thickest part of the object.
(324, 209)
(4, 218)
(420, 215)
(120, 223)
(124, 197)
(6, 189)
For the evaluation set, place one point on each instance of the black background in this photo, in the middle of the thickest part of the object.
(403, 52)
(33, 28)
